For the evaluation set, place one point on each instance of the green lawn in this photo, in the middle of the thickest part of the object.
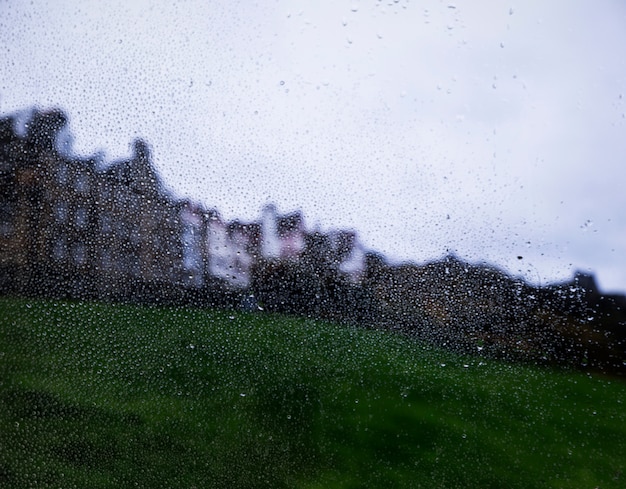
(97, 396)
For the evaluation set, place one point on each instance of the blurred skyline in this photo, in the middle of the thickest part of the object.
(493, 131)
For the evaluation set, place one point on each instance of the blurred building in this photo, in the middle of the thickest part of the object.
(283, 236)
(68, 222)
(80, 227)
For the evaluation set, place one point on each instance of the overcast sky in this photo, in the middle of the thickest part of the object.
(490, 129)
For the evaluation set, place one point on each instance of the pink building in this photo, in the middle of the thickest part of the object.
(283, 236)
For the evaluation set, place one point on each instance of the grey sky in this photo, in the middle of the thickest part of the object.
(492, 129)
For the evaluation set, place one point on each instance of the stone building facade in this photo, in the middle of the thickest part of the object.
(81, 227)
(69, 223)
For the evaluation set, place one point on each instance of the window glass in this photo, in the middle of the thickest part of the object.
(369, 243)
(81, 217)
(61, 211)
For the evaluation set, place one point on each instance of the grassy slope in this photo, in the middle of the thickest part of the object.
(121, 396)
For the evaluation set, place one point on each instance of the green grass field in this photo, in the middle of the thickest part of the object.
(95, 396)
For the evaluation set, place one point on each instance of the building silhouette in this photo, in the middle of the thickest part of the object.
(79, 227)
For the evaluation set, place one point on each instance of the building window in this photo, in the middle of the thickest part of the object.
(7, 211)
(135, 235)
(82, 182)
(105, 191)
(61, 211)
(81, 217)
(59, 249)
(62, 174)
(105, 223)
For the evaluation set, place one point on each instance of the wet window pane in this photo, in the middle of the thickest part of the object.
(312, 244)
